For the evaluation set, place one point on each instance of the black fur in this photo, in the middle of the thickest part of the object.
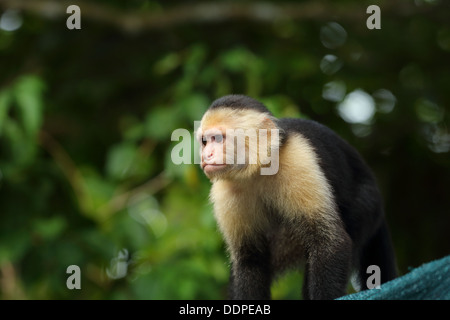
(238, 101)
(364, 237)
(356, 194)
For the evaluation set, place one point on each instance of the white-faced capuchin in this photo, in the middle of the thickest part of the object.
(289, 193)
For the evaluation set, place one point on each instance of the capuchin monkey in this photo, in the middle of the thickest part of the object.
(289, 193)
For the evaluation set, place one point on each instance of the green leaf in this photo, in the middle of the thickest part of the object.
(428, 111)
(23, 150)
(13, 246)
(126, 161)
(194, 60)
(236, 60)
(194, 106)
(5, 99)
(167, 64)
(160, 123)
(28, 93)
(120, 160)
(99, 192)
(50, 228)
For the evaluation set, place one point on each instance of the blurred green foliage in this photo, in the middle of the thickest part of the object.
(86, 117)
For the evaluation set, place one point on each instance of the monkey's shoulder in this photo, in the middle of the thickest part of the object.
(309, 129)
(320, 137)
(336, 156)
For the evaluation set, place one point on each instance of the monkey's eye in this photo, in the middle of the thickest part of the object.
(218, 138)
(204, 141)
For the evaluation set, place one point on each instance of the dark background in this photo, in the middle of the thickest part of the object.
(86, 118)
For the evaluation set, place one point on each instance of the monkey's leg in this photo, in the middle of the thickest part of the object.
(328, 267)
(250, 274)
(378, 251)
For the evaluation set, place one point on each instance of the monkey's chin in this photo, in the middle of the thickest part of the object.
(211, 169)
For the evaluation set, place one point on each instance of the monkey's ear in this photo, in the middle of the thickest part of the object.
(268, 123)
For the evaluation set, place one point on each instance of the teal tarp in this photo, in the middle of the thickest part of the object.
(430, 281)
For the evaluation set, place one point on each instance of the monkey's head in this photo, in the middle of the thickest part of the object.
(238, 136)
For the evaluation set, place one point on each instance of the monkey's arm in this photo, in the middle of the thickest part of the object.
(250, 273)
(328, 263)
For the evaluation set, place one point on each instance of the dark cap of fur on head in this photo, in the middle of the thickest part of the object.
(239, 101)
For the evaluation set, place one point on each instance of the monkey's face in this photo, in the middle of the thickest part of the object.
(218, 157)
(230, 143)
(213, 151)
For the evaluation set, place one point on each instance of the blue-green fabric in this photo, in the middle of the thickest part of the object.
(430, 281)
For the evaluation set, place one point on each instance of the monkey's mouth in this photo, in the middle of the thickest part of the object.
(211, 167)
